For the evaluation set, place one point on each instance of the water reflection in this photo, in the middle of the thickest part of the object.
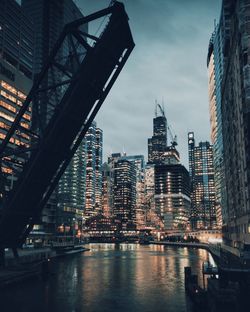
(111, 277)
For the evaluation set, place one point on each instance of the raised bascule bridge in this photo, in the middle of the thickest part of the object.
(63, 102)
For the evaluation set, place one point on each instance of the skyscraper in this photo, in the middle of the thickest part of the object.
(172, 192)
(16, 65)
(98, 169)
(125, 193)
(216, 58)
(49, 18)
(93, 189)
(107, 194)
(140, 216)
(158, 143)
(235, 99)
(71, 192)
(201, 170)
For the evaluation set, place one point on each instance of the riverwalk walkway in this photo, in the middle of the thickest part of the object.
(182, 244)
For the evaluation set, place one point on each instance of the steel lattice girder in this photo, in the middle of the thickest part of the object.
(88, 82)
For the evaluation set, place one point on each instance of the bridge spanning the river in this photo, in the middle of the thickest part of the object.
(73, 88)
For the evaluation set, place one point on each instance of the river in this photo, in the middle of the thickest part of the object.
(109, 277)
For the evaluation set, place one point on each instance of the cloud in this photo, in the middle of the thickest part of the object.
(169, 61)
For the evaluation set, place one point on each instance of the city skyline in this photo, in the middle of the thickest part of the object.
(158, 70)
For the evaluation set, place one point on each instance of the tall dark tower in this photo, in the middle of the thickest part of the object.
(157, 145)
(49, 19)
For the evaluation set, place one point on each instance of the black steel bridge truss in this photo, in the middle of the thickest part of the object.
(63, 101)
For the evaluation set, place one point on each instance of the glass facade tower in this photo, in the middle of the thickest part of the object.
(201, 171)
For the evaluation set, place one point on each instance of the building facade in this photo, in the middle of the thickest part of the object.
(93, 160)
(235, 103)
(140, 214)
(49, 19)
(16, 65)
(107, 186)
(216, 59)
(172, 192)
(201, 171)
(71, 192)
(125, 193)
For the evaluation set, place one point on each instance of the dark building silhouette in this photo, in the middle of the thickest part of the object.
(158, 143)
(49, 18)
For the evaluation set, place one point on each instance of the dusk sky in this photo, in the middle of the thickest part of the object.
(168, 64)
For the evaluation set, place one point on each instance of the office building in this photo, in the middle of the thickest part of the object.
(71, 192)
(201, 170)
(107, 195)
(235, 101)
(172, 192)
(49, 19)
(216, 60)
(125, 193)
(93, 160)
(98, 170)
(140, 214)
(16, 65)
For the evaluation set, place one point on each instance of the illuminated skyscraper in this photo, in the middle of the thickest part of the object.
(98, 170)
(140, 215)
(235, 101)
(49, 19)
(107, 194)
(125, 193)
(172, 192)
(93, 159)
(216, 60)
(71, 192)
(16, 65)
(201, 171)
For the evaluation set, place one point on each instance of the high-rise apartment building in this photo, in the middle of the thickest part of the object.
(125, 193)
(235, 101)
(98, 170)
(93, 160)
(216, 58)
(140, 215)
(152, 220)
(71, 192)
(107, 194)
(201, 170)
(123, 189)
(172, 192)
(16, 65)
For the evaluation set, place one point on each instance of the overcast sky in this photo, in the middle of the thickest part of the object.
(168, 63)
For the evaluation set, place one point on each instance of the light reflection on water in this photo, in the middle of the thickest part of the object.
(109, 277)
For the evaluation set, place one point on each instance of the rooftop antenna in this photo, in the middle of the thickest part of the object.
(156, 108)
(123, 151)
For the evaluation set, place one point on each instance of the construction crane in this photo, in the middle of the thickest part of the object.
(173, 137)
(161, 109)
(73, 85)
